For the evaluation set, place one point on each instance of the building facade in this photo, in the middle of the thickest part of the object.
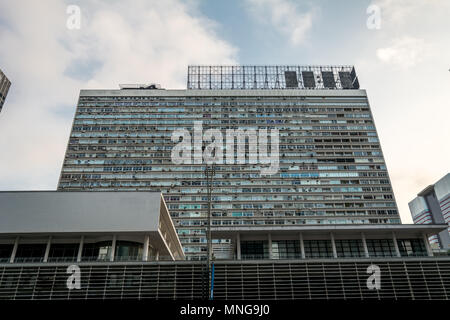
(419, 278)
(432, 205)
(320, 241)
(4, 88)
(75, 227)
(331, 168)
(81, 246)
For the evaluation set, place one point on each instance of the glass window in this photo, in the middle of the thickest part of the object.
(349, 248)
(318, 249)
(30, 252)
(5, 252)
(412, 247)
(254, 250)
(63, 252)
(128, 250)
(286, 249)
(381, 247)
(97, 251)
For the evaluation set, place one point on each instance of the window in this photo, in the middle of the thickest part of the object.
(318, 249)
(254, 250)
(411, 247)
(30, 252)
(63, 252)
(381, 247)
(286, 249)
(349, 248)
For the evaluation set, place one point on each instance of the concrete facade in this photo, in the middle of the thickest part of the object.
(139, 220)
(331, 167)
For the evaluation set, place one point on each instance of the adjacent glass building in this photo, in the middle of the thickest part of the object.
(4, 88)
(432, 206)
(331, 166)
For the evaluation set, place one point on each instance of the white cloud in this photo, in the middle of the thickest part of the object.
(404, 66)
(285, 17)
(149, 41)
(400, 13)
(405, 52)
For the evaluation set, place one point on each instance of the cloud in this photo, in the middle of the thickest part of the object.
(149, 41)
(404, 66)
(285, 17)
(405, 52)
(400, 13)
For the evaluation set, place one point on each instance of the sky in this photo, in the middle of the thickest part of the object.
(400, 49)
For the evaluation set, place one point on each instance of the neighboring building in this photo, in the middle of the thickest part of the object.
(432, 205)
(331, 167)
(49, 226)
(4, 88)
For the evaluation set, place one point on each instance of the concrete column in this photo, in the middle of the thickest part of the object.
(397, 250)
(333, 245)
(269, 243)
(157, 255)
(366, 251)
(14, 251)
(113, 248)
(302, 246)
(427, 245)
(47, 249)
(151, 253)
(145, 248)
(80, 249)
(238, 246)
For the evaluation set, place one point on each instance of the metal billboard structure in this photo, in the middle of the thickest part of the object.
(271, 77)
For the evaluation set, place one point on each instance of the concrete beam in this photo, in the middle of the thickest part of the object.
(145, 248)
(47, 249)
(427, 245)
(80, 249)
(238, 246)
(14, 251)
(364, 242)
(113, 248)
(397, 250)
(333, 245)
(302, 246)
(269, 243)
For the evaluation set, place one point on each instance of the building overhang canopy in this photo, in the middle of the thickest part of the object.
(401, 230)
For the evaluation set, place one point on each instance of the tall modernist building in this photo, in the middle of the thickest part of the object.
(432, 206)
(4, 88)
(330, 167)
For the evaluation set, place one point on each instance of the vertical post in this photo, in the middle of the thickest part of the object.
(427, 245)
(80, 249)
(333, 245)
(145, 248)
(269, 243)
(366, 251)
(14, 251)
(156, 255)
(394, 238)
(238, 246)
(211, 297)
(47, 249)
(209, 172)
(113, 248)
(302, 246)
